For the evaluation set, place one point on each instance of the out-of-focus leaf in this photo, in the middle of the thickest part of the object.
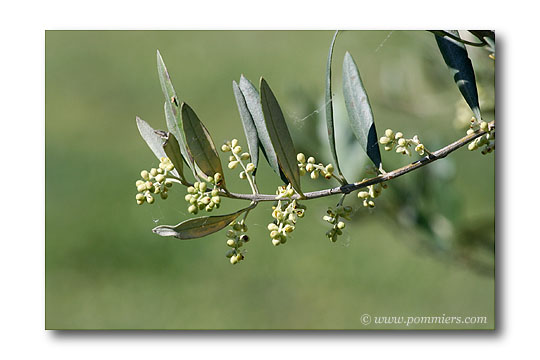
(249, 126)
(330, 107)
(253, 102)
(198, 227)
(359, 110)
(455, 56)
(280, 136)
(172, 110)
(172, 149)
(200, 144)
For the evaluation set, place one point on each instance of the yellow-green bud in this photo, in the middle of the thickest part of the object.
(160, 178)
(139, 182)
(309, 167)
(314, 175)
(399, 135)
(302, 171)
(202, 186)
(148, 185)
(170, 167)
(139, 196)
(191, 190)
(140, 202)
(153, 172)
(150, 199)
(272, 227)
(341, 225)
(245, 156)
(237, 150)
(250, 167)
(388, 133)
(216, 199)
(234, 259)
(330, 168)
(276, 242)
(145, 175)
(141, 187)
(234, 142)
(363, 194)
(217, 178)
(242, 175)
(288, 228)
(384, 140)
(225, 148)
(311, 160)
(274, 234)
(214, 192)
(188, 197)
(233, 164)
(402, 142)
(205, 200)
(301, 158)
(484, 126)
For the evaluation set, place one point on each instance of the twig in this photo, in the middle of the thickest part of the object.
(345, 189)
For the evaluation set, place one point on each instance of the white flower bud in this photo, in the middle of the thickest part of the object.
(237, 150)
(233, 164)
(301, 158)
(225, 148)
(234, 142)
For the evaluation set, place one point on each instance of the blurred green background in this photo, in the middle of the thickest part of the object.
(426, 250)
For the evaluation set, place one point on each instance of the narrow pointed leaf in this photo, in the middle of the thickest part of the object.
(173, 123)
(330, 107)
(172, 110)
(249, 126)
(280, 136)
(172, 149)
(455, 56)
(200, 144)
(198, 227)
(153, 139)
(359, 110)
(253, 102)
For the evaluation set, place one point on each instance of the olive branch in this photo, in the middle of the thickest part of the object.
(188, 143)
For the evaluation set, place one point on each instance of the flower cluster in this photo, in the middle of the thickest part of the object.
(333, 217)
(373, 192)
(154, 182)
(487, 140)
(285, 214)
(314, 169)
(237, 157)
(201, 197)
(391, 139)
(236, 237)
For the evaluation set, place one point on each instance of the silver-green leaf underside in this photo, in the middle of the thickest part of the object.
(153, 140)
(330, 108)
(198, 227)
(200, 144)
(172, 110)
(250, 130)
(359, 110)
(279, 135)
(457, 59)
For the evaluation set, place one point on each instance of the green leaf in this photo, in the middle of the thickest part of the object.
(249, 126)
(172, 149)
(280, 136)
(330, 107)
(154, 141)
(455, 56)
(199, 227)
(172, 110)
(253, 102)
(200, 144)
(359, 110)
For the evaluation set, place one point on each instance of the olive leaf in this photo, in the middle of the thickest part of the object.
(199, 227)
(172, 110)
(359, 110)
(253, 103)
(330, 108)
(455, 56)
(153, 139)
(172, 149)
(249, 126)
(279, 135)
(200, 144)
